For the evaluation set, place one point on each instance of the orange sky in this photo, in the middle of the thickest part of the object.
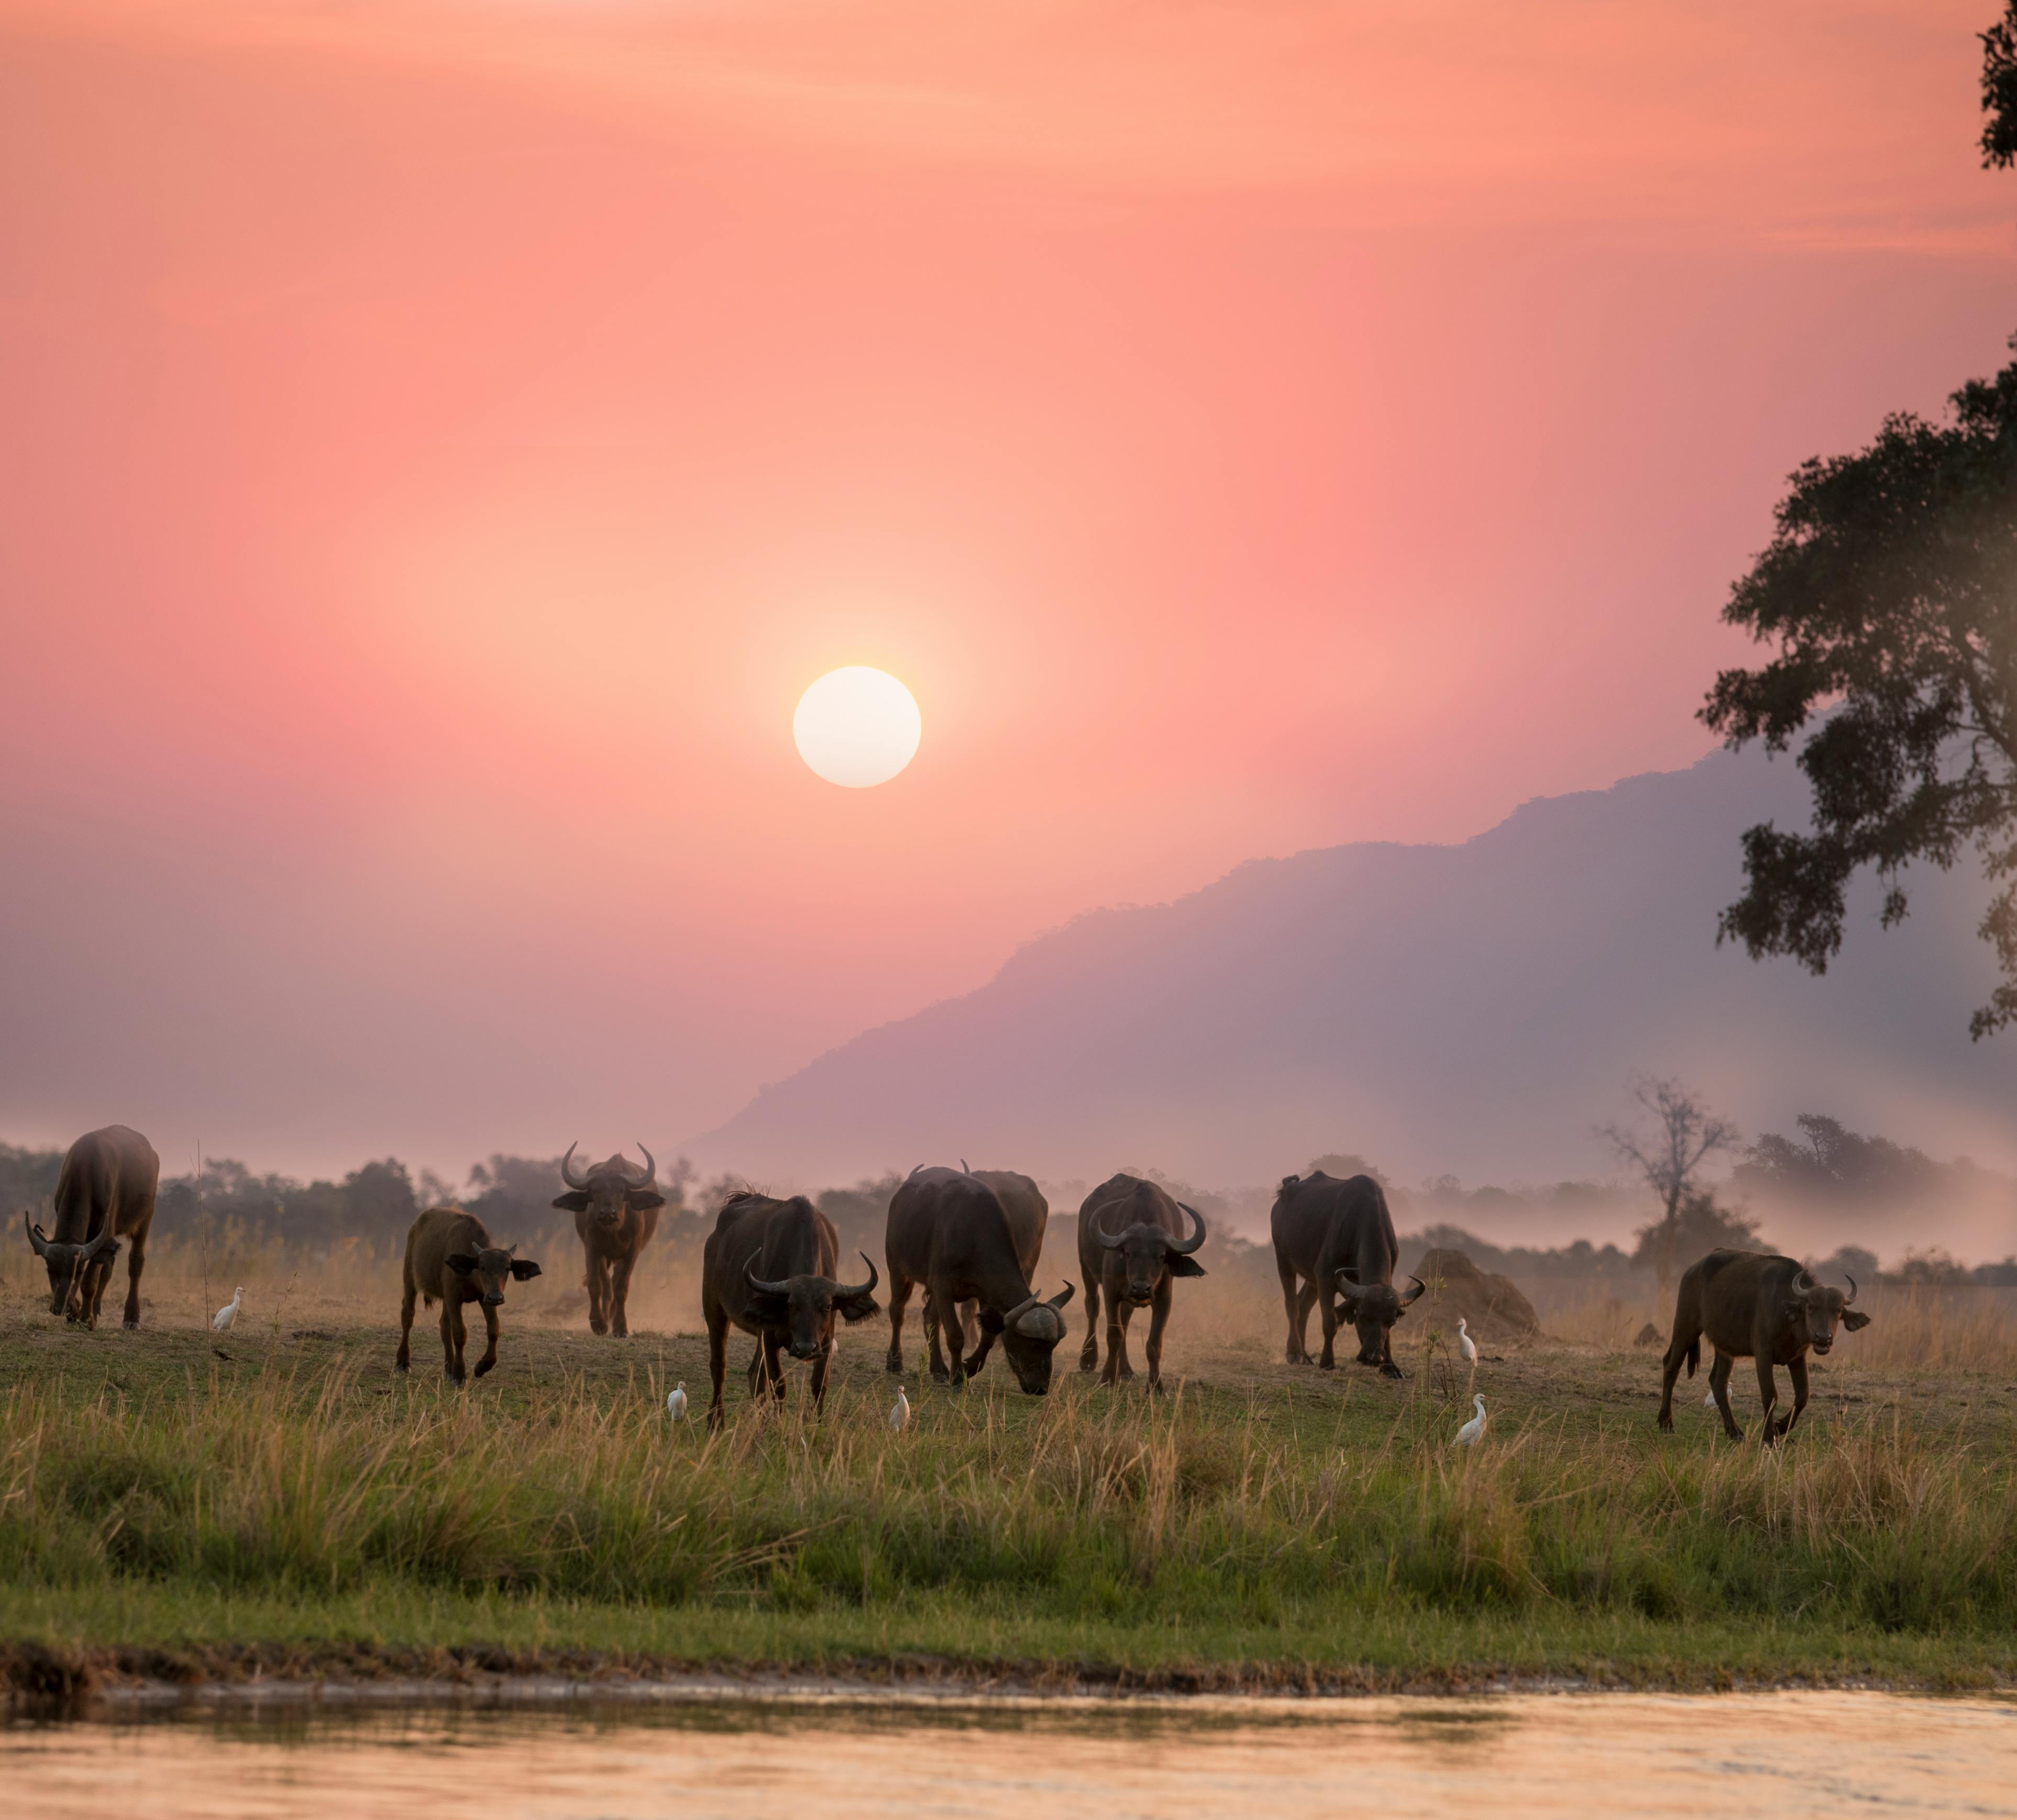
(440, 441)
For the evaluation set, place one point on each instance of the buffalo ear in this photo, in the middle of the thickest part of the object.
(461, 1263)
(991, 1321)
(641, 1200)
(575, 1201)
(524, 1268)
(1180, 1265)
(856, 1308)
(1852, 1319)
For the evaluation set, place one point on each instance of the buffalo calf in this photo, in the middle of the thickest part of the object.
(450, 1259)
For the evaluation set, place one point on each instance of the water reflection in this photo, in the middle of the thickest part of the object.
(1508, 1756)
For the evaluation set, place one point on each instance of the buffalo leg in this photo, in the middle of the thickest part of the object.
(774, 1371)
(404, 1360)
(982, 1347)
(1718, 1382)
(940, 1296)
(899, 1298)
(1327, 1310)
(934, 1333)
(1117, 1368)
(1768, 1392)
(619, 1303)
(1298, 1309)
(1088, 1354)
(821, 1366)
(136, 1262)
(598, 1294)
(452, 1335)
(490, 1337)
(717, 1361)
(1159, 1318)
(1388, 1367)
(1797, 1370)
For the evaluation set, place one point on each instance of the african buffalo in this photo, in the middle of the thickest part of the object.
(949, 1231)
(1029, 1215)
(1339, 1238)
(1752, 1305)
(450, 1259)
(1131, 1245)
(616, 1213)
(768, 1268)
(105, 1193)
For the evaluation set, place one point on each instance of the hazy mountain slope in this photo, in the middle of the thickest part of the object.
(1474, 1007)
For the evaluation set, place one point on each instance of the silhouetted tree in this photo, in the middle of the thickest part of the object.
(1697, 1227)
(1676, 1135)
(1999, 90)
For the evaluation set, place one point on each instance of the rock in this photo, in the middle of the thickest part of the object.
(1649, 1335)
(1491, 1307)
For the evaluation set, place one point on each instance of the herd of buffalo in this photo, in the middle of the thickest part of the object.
(971, 1239)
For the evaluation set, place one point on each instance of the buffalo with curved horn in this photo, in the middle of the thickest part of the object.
(1338, 1237)
(616, 1210)
(1752, 1304)
(949, 1231)
(1131, 1247)
(105, 1193)
(769, 1268)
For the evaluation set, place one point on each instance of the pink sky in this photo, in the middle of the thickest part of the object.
(440, 441)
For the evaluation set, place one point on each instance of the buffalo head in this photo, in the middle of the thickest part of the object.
(68, 1266)
(806, 1305)
(606, 1191)
(1146, 1252)
(1031, 1332)
(490, 1267)
(1813, 1312)
(1373, 1308)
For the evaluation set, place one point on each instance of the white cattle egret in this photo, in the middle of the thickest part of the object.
(1473, 1432)
(676, 1404)
(900, 1412)
(229, 1313)
(1465, 1344)
(1709, 1402)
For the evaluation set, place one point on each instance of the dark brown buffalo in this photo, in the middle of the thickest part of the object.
(1131, 1245)
(949, 1232)
(1338, 1237)
(616, 1212)
(769, 1269)
(105, 1193)
(1029, 1215)
(450, 1260)
(1752, 1305)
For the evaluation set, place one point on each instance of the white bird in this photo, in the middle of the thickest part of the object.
(229, 1313)
(1465, 1344)
(675, 1402)
(1473, 1432)
(900, 1412)
(1709, 1402)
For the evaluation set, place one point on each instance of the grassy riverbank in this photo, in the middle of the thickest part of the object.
(293, 1507)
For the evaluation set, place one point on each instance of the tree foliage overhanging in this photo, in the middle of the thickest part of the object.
(1999, 90)
(1890, 591)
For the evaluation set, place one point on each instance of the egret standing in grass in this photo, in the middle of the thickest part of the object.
(1465, 1344)
(900, 1412)
(1473, 1432)
(226, 1315)
(676, 1404)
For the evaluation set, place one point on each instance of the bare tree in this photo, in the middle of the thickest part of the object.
(1668, 1144)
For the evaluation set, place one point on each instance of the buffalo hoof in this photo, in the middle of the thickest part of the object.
(484, 1365)
(1393, 1372)
(1326, 1364)
(940, 1375)
(457, 1377)
(1666, 1420)
(132, 1326)
(401, 1365)
(597, 1325)
(1089, 1360)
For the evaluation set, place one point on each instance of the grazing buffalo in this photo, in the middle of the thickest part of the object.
(450, 1259)
(768, 1268)
(1131, 1245)
(1752, 1305)
(616, 1212)
(949, 1231)
(1338, 1236)
(1029, 1215)
(104, 1194)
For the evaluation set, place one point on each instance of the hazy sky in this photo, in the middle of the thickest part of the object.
(439, 441)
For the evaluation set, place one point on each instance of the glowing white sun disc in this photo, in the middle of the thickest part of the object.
(856, 727)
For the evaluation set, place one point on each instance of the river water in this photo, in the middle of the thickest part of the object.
(1507, 1756)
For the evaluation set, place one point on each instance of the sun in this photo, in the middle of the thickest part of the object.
(856, 727)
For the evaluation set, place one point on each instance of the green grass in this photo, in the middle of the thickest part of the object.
(298, 1505)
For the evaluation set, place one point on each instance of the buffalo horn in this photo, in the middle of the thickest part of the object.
(1802, 1283)
(1183, 1247)
(35, 1239)
(566, 1170)
(1112, 1243)
(106, 1238)
(1421, 1289)
(1063, 1296)
(651, 1171)
(763, 1288)
(1851, 1296)
(867, 1288)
